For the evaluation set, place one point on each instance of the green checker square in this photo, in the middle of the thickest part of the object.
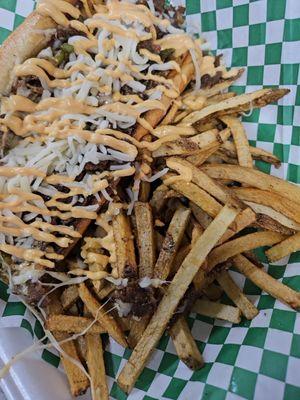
(18, 20)
(38, 330)
(285, 115)
(275, 9)
(273, 53)
(168, 364)
(256, 337)
(223, 4)
(9, 5)
(274, 365)
(192, 7)
(127, 354)
(250, 288)
(228, 354)
(255, 75)
(295, 257)
(148, 398)
(263, 167)
(266, 302)
(201, 374)
(282, 151)
(283, 320)
(253, 117)
(51, 358)
(293, 282)
(112, 363)
(239, 57)
(291, 30)
(296, 136)
(145, 379)
(257, 34)
(291, 392)
(3, 291)
(241, 15)
(213, 393)
(289, 74)
(224, 37)
(4, 33)
(276, 271)
(243, 383)
(266, 132)
(218, 335)
(260, 254)
(163, 343)
(297, 100)
(208, 21)
(293, 173)
(295, 347)
(117, 393)
(15, 308)
(26, 325)
(174, 388)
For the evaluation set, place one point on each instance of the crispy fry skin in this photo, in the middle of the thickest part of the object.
(69, 297)
(236, 295)
(97, 310)
(218, 310)
(170, 301)
(286, 247)
(72, 324)
(266, 282)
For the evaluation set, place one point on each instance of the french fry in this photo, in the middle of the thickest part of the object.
(254, 178)
(266, 282)
(266, 222)
(217, 310)
(240, 140)
(136, 330)
(126, 262)
(105, 291)
(213, 292)
(171, 243)
(284, 248)
(202, 155)
(236, 295)
(234, 105)
(172, 297)
(105, 319)
(69, 297)
(72, 324)
(80, 345)
(244, 243)
(185, 344)
(169, 118)
(219, 97)
(96, 367)
(145, 238)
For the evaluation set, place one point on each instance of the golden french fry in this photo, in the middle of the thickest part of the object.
(266, 282)
(284, 248)
(236, 295)
(202, 155)
(72, 324)
(267, 222)
(171, 299)
(69, 297)
(217, 310)
(105, 291)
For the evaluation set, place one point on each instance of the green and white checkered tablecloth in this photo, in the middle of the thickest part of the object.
(259, 359)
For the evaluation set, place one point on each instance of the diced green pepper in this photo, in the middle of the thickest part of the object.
(67, 48)
(166, 54)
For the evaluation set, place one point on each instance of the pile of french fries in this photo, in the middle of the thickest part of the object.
(188, 229)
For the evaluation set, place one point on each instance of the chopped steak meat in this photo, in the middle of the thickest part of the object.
(208, 81)
(149, 45)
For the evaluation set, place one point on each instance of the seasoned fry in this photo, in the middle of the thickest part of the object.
(236, 295)
(126, 262)
(217, 310)
(284, 248)
(185, 344)
(169, 118)
(171, 243)
(268, 223)
(202, 155)
(170, 301)
(69, 297)
(136, 330)
(240, 140)
(72, 324)
(266, 282)
(96, 367)
(234, 105)
(254, 178)
(106, 320)
(245, 243)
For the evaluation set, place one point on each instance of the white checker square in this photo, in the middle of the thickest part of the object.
(201, 330)
(257, 12)
(233, 396)
(240, 36)
(279, 172)
(256, 55)
(211, 38)
(294, 155)
(283, 134)
(249, 358)
(272, 74)
(292, 373)
(238, 278)
(254, 298)
(157, 387)
(265, 385)
(290, 53)
(289, 98)
(24, 7)
(268, 115)
(183, 372)
(239, 2)
(115, 348)
(155, 359)
(211, 352)
(236, 335)
(7, 19)
(262, 320)
(268, 146)
(278, 341)
(296, 121)
(278, 305)
(224, 18)
(193, 23)
(292, 270)
(274, 31)
(222, 323)
(292, 9)
(193, 390)
(251, 130)
(220, 375)
(207, 5)
(170, 347)
(227, 56)
(137, 394)
(297, 324)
